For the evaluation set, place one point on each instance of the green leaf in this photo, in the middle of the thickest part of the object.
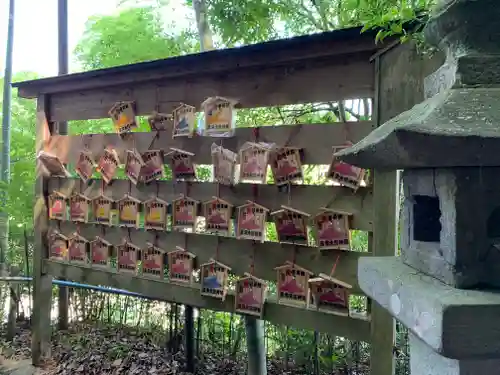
(407, 13)
(397, 28)
(380, 36)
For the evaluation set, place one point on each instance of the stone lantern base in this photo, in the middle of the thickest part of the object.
(425, 361)
(453, 331)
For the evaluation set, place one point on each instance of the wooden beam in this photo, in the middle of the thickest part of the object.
(307, 198)
(385, 240)
(237, 254)
(317, 141)
(334, 79)
(42, 282)
(338, 43)
(352, 328)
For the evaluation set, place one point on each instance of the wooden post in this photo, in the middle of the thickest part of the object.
(13, 305)
(189, 333)
(383, 243)
(62, 12)
(42, 291)
(255, 346)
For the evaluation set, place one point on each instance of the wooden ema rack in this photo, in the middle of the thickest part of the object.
(321, 68)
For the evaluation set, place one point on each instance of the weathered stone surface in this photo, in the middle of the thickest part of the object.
(457, 127)
(462, 27)
(453, 322)
(425, 361)
(470, 233)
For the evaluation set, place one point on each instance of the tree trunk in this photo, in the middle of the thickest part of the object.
(205, 35)
(11, 320)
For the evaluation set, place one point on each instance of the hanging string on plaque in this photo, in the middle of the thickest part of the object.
(343, 173)
(184, 209)
(251, 291)
(291, 224)
(334, 267)
(153, 168)
(330, 294)
(255, 198)
(153, 259)
(217, 211)
(160, 121)
(332, 226)
(134, 162)
(252, 217)
(85, 164)
(286, 161)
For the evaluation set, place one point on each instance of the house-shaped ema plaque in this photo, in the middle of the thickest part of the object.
(79, 208)
(85, 166)
(128, 211)
(155, 214)
(133, 165)
(78, 250)
(251, 221)
(153, 166)
(127, 254)
(293, 285)
(102, 207)
(219, 116)
(58, 206)
(184, 213)
(250, 295)
(123, 116)
(343, 173)
(218, 215)
(286, 165)
(160, 121)
(52, 164)
(214, 279)
(224, 162)
(184, 120)
(291, 225)
(108, 164)
(182, 164)
(254, 158)
(100, 251)
(332, 229)
(181, 266)
(58, 247)
(330, 294)
(152, 261)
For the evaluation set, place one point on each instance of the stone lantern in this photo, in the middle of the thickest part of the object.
(445, 287)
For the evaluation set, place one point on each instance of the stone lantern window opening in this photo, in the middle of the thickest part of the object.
(426, 218)
(493, 224)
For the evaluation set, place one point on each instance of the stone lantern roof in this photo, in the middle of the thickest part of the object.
(458, 125)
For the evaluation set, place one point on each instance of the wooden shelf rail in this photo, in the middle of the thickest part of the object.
(355, 328)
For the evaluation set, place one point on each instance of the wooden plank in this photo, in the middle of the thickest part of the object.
(337, 43)
(352, 328)
(307, 198)
(317, 141)
(384, 242)
(237, 254)
(42, 282)
(334, 79)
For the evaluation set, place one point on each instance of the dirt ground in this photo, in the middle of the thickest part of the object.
(86, 349)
